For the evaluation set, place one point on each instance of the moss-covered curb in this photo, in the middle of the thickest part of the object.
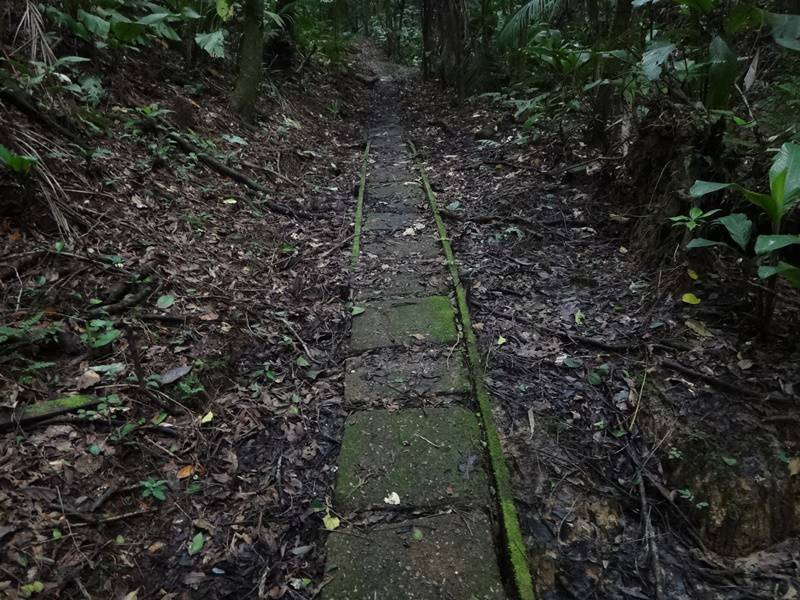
(359, 217)
(515, 546)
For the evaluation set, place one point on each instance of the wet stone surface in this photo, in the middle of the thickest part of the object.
(385, 324)
(427, 457)
(435, 558)
(391, 222)
(401, 375)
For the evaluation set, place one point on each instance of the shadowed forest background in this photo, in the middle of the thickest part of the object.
(620, 181)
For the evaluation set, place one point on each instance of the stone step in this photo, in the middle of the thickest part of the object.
(427, 457)
(449, 556)
(414, 321)
(390, 376)
(379, 277)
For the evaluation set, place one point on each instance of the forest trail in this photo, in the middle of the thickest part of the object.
(412, 464)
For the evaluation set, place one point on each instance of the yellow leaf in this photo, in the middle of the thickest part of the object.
(207, 417)
(330, 522)
(186, 471)
(690, 299)
(794, 467)
(501, 340)
(693, 274)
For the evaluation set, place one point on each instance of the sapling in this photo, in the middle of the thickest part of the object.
(783, 197)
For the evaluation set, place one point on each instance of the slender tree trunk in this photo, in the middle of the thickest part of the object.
(453, 26)
(427, 37)
(250, 56)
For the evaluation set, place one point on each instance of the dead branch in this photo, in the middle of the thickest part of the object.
(736, 389)
(223, 169)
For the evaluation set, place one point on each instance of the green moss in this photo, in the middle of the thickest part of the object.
(386, 324)
(452, 552)
(515, 546)
(48, 408)
(428, 457)
(359, 217)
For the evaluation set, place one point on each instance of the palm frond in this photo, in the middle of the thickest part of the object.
(535, 11)
(31, 28)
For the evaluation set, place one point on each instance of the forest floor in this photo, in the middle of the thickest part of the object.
(654, 445)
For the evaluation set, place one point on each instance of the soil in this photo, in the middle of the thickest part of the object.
(653, 443)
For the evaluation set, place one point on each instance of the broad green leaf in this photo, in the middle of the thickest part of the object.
(212, 42)
(703, 243)
(701, 188)
(105, 338)
(722, 73)
(739, 227)
(653, 60)
(302, 361)
(766, 244)
(224, 9)
(357, 310)
(197, 543)
(18, 163)
(97, 25)
(165, 301)
(765, 202)
(786, 164)
(125, 31)
(789, 272)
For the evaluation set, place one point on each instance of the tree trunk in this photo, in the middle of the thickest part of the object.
(453, 29)
(427, 37)
(250, 56)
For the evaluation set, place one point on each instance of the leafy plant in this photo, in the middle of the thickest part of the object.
(99, 333)
(21, 164)
(154, 488)
(783, 197)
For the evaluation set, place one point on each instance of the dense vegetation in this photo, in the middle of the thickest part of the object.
(175, 206)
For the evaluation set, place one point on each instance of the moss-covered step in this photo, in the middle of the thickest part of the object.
(403, 322)
(376, 278)
(423, 246)
(447, 556)
(397, 375)
(390, 174)
(428, 458)
(392, 221)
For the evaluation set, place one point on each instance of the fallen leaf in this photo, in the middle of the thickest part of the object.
(185, 472)
(330, 522)
(794, 467)
(209, 316)
(699, 328)
(207, 418)
(393, 499)
(693, 274)
(87, 380)
(197, 543)
(501, 340)
(690, 299)
(174, 374)
(164, 302)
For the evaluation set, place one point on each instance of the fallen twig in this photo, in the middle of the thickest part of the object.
(224, 169)
(736, 389)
